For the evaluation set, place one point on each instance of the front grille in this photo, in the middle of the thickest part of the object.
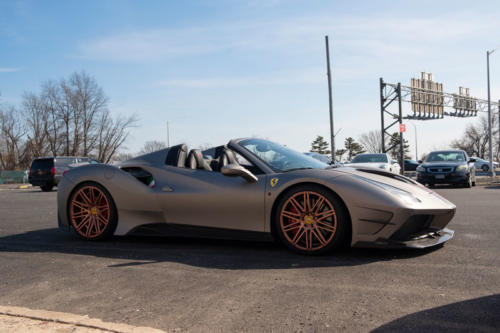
(413, 227)
(439, 170)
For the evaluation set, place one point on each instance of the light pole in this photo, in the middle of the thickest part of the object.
(490, 141)
(330, 103)
(416, 144)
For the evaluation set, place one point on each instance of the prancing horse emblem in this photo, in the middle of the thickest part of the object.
(274, 181)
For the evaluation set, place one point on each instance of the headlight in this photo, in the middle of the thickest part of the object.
(420, 169)
(407, 197)
(461, 168)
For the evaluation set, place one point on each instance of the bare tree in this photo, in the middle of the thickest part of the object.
(12, 147)
(151, 146)
(112, 134)
(372, 141)
(475, 140)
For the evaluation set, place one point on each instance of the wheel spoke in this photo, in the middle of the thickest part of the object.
(83, 223)
(291, 226)
(319, 236)
(323, 215)
(317, 205)
(298, 236)
(307, 204)
(325, 226)
(85, 198)
(80, 205)
(296, 205)
(290, 215)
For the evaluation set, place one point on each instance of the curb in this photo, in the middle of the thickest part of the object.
(72, 319)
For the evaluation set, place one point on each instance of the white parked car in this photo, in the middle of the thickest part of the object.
(483, 165)
(380, 161)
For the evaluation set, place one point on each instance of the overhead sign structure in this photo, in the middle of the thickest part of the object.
(464, 104)
(426, 97)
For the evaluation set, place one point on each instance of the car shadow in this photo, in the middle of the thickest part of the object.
(207, 253)
(493, 187)
(475, 315)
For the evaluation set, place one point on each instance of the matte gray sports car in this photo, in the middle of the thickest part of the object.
(252, 187)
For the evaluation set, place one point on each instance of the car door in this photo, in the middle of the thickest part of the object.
(210, 199)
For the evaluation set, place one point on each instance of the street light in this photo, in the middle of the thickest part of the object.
(490, 146)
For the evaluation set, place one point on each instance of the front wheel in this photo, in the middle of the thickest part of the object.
(311, 220)
(485, 168)
(92, 212)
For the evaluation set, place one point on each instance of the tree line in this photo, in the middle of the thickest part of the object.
(68, 117)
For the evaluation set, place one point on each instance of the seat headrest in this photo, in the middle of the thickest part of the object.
(227, 157)
(195, 160)
(176, 156)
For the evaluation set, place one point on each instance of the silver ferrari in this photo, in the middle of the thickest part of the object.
(252, 188)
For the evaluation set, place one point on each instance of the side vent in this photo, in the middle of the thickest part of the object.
(142, 175)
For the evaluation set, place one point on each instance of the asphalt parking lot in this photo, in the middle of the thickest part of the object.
(198, 285)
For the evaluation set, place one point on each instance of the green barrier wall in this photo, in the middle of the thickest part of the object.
(13, 177)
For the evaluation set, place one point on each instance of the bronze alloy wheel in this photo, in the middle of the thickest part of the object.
(91, 212)
(308, 221)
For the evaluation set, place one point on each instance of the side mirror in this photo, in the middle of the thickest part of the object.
(472, 160)
(419, 161)
(235, 170)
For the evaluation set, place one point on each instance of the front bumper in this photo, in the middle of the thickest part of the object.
(442, 178)
(430, 239)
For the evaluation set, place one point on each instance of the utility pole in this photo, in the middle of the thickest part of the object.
(168, 134)
(332, 134)
(416, 142)
(490, 141)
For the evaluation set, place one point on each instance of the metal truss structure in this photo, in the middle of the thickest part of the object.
(433, 106)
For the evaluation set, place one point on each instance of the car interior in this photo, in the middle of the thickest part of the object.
(179, 156)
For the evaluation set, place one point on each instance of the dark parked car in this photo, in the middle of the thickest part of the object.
(447, 167)
(411, 165)
(47, 171)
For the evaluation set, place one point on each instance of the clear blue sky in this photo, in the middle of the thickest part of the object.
(224, 69)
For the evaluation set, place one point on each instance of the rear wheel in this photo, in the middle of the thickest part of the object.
(311, 220)
(92, 212)
(47, 187)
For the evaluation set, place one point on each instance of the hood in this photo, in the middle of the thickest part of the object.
(385, 177)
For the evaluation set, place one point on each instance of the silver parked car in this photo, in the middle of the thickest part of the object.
(483, 165)
(257, 188)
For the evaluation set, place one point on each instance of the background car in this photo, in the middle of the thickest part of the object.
(46, 172)
(318, 156)
(447, 167)
(483, 165)
(381, 161)
(411, 165)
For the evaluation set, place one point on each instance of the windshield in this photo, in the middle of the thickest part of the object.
(280, 158)
(370, 158)
(445, 156)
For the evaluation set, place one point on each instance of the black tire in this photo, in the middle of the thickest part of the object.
(47, 187)
(75, 211)
(431, 185)
(468, 182)
(329, 231)
(485, 167)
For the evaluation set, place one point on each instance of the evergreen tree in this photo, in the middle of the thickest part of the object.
(394, 152)
(353, 148)
(320, 145)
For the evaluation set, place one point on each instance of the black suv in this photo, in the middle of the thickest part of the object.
(447, 167)
(47, 171)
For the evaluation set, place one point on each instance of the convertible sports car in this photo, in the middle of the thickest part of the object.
(252, 188)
